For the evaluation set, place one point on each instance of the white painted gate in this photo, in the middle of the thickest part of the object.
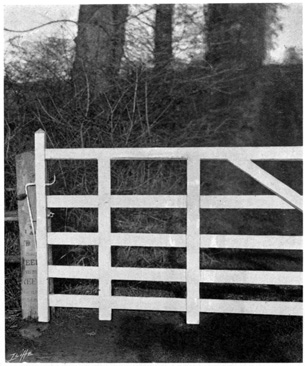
(284, 198)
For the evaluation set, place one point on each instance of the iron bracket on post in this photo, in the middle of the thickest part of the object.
(50, 215)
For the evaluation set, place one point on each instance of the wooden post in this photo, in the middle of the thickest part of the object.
(25, 171)
(41, 231)
(104, 229)
(193, 241)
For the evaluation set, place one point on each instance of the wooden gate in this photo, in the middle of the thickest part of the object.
(284, 198)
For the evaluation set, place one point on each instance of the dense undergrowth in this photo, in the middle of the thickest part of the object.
(180, 108)
(225, 98)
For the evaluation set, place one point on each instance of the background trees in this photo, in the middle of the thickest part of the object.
(99, 46)
(150, 75)
(163, 50)
(155, 75)
(240, 33)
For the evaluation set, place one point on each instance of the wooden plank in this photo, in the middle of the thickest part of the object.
(17, 259)
(244, 202)
(41, 231)
(207, 153)
(269, 181)
(252, 277)
(74, 154)
(193, 241)
(179, 240)
(119, 153)
(252, 242)
(251, 307)
(73, 272)
(148, 303)
(104, 229)
(25, 173)
(74, 301)
(172, 201)
(148, 240)
(65, 238)
(118, 273)
(10, 189)
(72, 201)
(143, 201)
(172, 304)
(148, 274)
(11, 215)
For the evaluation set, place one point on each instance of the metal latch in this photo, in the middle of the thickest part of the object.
(23, 196)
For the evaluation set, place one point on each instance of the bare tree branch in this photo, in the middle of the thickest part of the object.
(39, 26)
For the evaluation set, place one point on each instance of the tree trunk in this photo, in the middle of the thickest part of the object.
(99, 47)
(237, 33)
(163, 52)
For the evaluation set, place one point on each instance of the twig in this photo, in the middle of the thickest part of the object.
(146, 110)
(40, 26)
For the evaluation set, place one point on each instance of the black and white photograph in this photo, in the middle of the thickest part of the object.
(153, 181)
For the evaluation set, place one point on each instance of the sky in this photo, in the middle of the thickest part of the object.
(292, 32)
(22, 17)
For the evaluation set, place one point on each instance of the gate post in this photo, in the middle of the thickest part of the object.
(193, 241)
(25, 173)
(41, 229)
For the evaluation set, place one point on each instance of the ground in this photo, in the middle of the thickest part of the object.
(76, 335)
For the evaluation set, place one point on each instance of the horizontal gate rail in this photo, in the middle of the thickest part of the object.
(179, 240)
(172, 201)
(179, 275)
(270, 242)
(119, 302)
(172, 304)
(11, 216)
(203, 153)
(283, 198)
(270, 182)
(252, 307)
(252, 277)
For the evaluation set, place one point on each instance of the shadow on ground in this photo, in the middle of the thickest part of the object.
(77, 336)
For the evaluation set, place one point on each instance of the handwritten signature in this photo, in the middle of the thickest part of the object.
(20, 356)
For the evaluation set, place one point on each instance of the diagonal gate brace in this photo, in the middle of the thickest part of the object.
(269, 181)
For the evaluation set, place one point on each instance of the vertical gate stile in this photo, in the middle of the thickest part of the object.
(193, 305)
(104, 229)
(41, 229)
(193, 241)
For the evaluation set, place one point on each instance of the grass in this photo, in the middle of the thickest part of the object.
(221, 337)
(218, 338)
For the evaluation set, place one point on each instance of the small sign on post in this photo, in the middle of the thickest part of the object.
(25, 172)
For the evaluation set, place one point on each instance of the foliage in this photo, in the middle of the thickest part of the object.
(50, 59)
(240, 33)
(187, 33)
(293, 56)
(194, 103)
(283, 94)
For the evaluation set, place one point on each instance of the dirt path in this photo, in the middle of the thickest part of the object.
(77, 336)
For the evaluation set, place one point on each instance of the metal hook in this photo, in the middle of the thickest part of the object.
(30, 209)
(51, 183)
